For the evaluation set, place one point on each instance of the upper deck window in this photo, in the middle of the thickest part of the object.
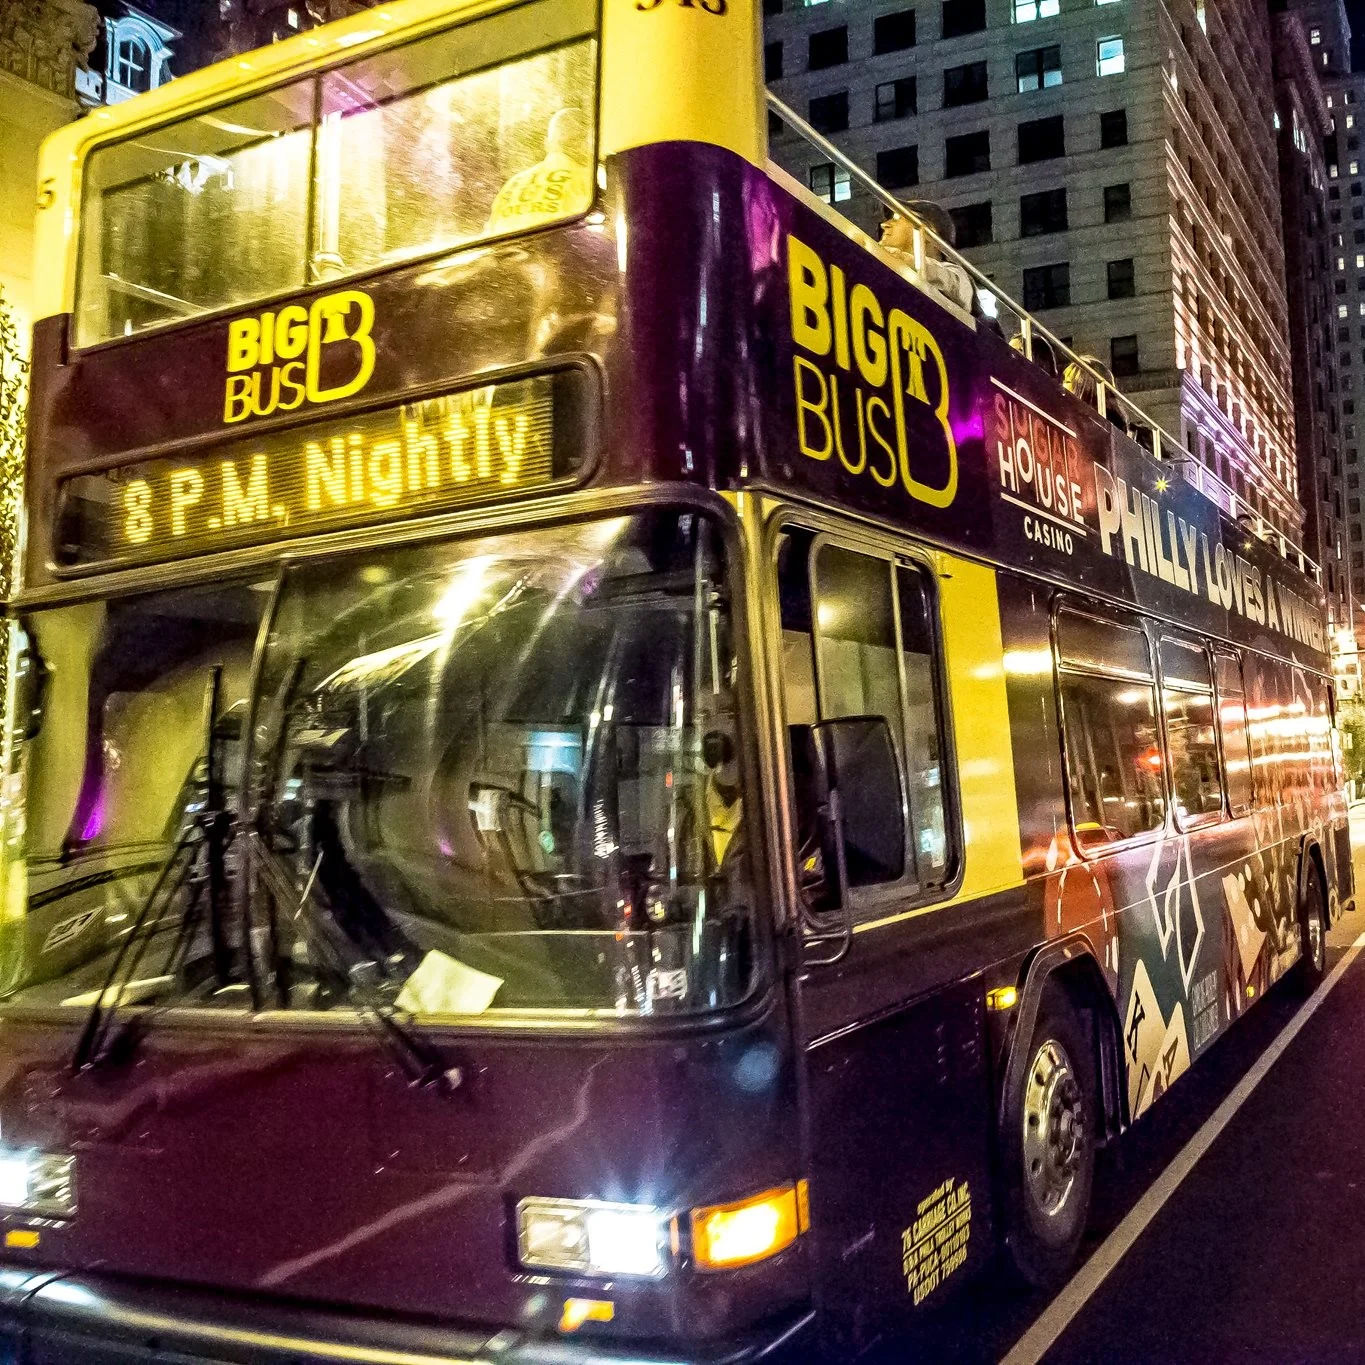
(474, 133)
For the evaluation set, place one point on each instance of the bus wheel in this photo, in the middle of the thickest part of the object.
(1312, 929)
(1050, 1145)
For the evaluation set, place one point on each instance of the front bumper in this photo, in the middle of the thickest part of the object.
(52, 1318)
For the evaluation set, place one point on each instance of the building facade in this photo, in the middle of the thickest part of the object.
(1303, 126)
(1343, 94)
(44, 45)
(1112, 166)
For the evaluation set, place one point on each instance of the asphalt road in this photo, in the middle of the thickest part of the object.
(1222, 1231)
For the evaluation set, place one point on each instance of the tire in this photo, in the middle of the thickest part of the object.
(1049, 1145)
(1312, 966)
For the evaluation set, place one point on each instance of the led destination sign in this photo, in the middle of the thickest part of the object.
(474, 445)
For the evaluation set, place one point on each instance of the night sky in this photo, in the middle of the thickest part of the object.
(1355, 12)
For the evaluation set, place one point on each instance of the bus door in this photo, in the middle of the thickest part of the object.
(899, 1094)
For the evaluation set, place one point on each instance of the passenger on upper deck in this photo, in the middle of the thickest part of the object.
(1043, 354)
(1079, 379)
(947, 277)
(537, 194)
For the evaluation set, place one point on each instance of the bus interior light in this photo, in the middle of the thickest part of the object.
(593, 1238)
(726, 1236)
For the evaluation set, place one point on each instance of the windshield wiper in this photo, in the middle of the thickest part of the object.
(419, 1058)
(94, 1046)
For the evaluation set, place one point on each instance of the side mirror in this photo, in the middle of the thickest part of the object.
(850, 813)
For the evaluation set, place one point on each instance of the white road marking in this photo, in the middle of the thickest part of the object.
(1057, 1317)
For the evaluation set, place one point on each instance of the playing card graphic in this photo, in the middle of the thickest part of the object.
(1143, 1031)
(1173, 1055)
(1156, 1050)
(1247, 934)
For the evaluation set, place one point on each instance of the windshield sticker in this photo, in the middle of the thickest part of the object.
(664, 984)
(935, 1244)
(444, 985)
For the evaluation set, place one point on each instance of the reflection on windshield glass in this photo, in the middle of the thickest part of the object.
(114, 777)
(499, 774)
(507, 772)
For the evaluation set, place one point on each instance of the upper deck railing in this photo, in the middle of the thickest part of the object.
(1023, 331)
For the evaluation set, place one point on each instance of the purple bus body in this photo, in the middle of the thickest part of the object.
(289, 1163)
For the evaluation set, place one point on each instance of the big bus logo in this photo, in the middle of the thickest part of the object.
(278, 361)
(879, 368)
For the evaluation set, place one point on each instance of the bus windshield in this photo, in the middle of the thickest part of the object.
(498, 775)
(480, 131)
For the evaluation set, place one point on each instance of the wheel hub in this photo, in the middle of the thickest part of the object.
(1054, 1128)
(1315, 939)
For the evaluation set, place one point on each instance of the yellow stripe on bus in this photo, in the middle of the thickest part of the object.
(974, 654)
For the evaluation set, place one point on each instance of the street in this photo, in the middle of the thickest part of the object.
(1227, 1223)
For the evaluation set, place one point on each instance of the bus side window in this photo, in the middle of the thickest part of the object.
(1332, 775)
(923, 712)
(1232, 729)
(1187, 701)
(856, 662)
(1274, 766)
(857, 640)
(1109, 730)
(798, 640)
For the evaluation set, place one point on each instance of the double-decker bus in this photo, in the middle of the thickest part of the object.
(600, 769)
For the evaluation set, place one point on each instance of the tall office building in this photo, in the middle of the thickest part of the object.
(1113, 166)
(1343, 95)
(1303, 126)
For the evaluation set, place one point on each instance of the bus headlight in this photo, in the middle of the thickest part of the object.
(593, 1238)
(37, 1183)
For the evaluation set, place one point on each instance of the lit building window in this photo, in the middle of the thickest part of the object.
(1315, 36)
(1350, 120)
(1355, 168)
(1039, 69)
(132, 64)
(1025, 11)
(1342, 310)
(1360, 260)
(138, 53)
(1332, 171)
(292, 17)
(830, 182)
(1341, 262)
(1200, 17)
(1109, 57)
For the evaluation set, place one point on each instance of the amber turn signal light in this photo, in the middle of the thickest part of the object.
(725, 1236)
